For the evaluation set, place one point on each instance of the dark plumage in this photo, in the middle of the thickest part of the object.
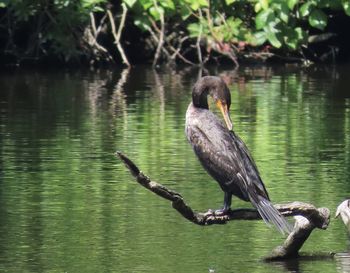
(223, 154)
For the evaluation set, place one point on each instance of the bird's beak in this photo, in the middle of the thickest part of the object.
(224, 110)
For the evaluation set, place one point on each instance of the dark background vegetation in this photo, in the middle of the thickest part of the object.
(95, 32)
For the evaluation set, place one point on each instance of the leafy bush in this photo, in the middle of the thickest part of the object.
(39, 28)
(36, 28)
(227, 24)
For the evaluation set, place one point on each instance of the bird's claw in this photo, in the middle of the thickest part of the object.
(221, 212)
(217, 212)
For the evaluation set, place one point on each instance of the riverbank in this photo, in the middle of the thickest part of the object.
(100, 32)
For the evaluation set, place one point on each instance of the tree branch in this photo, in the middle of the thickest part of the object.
(176, 52)
(198, 46)
(155, 38)
(90, 36)
(161, 34)
(118, 34)
(310, 216)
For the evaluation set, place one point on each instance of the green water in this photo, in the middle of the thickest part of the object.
(67, 204)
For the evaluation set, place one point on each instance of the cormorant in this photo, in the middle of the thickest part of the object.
(223, 154)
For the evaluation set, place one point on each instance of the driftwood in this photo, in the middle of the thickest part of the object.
(307, 216)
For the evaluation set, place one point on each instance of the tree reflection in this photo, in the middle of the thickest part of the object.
(63, 195)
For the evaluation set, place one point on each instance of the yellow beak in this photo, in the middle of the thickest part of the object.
(225, 113)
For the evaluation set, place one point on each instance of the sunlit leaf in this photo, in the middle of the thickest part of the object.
(130, 3)
(291, 43)
(264, 4)
(156, 12)
(3, 3)
(146, 4)
(291, 38)
(257, 7)
(203, 3)
(260, 38)
(346, 6)
(301, 34)
(195, 5)
(272, 38)
(292, 3)
(232, 27)
(142, 22)
(263, 18)
(306, 8)
(98, 9)
(185, 12)
(229, 2)
(318, 19)
(194, 29)
(283, 12)
(169, 4)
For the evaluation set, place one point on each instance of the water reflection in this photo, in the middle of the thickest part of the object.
(292, 265)
(343, 262)
(67, 204)
(303, 263)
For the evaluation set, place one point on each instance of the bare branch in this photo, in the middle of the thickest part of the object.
(199, 52)
(118, 34)
(177, 51)
(161, 34)
(310, 216)
(155, 38)
(96, 31)
(91, 37)
(302, 229)
(93, 24)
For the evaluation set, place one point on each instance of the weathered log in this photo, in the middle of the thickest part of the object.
(306, 215)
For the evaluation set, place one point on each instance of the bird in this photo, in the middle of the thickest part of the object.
(343, 210)
(223, 154)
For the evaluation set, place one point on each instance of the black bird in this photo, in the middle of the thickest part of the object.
(223, 154)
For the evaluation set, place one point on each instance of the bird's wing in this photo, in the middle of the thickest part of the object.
(220, 154)
(250, 164)
(224, 154)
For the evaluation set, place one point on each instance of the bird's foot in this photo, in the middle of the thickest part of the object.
(217, 212)
(222, 212)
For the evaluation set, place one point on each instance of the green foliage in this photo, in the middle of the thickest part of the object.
(59, 25)
(318, 19)
(55, 26)
(278, 22)
(346, 6)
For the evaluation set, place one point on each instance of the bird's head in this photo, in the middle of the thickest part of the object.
(218, 90)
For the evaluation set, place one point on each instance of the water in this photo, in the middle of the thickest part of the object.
(67, 204)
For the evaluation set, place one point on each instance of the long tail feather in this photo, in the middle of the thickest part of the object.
(272, 216)
(266, 210)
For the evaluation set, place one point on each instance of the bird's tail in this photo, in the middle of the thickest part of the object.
(267, 211)
(271, 215)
